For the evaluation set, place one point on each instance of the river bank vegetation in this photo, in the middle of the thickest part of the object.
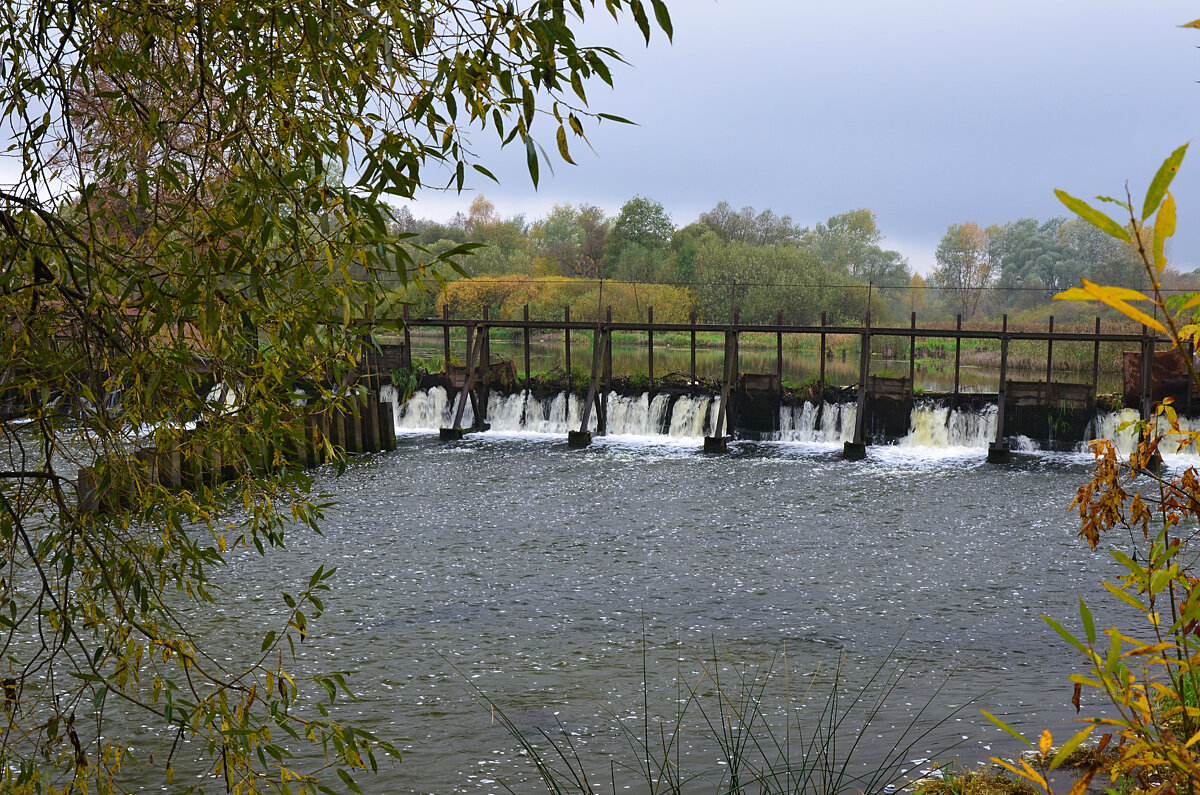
(763, 264)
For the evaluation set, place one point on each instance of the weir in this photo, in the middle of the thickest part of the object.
(878, 409)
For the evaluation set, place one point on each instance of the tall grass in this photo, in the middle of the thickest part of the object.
(727, 732)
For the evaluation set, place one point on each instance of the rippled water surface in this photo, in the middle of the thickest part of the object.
(546, 576)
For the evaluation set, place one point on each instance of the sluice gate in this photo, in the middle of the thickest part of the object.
(1052, 413)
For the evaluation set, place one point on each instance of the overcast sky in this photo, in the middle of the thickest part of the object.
(928, 113)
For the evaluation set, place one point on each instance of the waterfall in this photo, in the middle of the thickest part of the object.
(664, 416)
(692, 417)
(939, 426)
(800, 423)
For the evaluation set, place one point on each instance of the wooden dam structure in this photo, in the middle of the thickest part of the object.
(749, 402)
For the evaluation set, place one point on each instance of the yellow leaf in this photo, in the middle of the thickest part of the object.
(1164, 227)
(1115, 297)
(1195, 23)
(1045, 743)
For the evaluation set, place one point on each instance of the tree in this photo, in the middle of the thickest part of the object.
(763, 229)
(203, 184)
(642, 223)
(964, 268)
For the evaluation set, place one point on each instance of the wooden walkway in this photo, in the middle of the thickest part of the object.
(478, 347)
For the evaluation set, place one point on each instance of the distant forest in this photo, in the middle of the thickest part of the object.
(760, 262)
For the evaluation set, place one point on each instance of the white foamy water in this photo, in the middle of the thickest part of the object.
(522, 412)
(939, 426)
(665, 417)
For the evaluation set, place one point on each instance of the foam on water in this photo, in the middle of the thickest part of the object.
(933, 430)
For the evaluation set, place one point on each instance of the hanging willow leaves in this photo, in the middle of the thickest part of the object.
(195, 243)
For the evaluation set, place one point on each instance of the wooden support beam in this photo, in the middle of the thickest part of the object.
(387, 426)
(406, 359)
(446, 339)
(856, 450)
(1147, 372)
(1050, 353)
(484, 361)
(583, 436)
(957, 358)
(602, 419)
(718, 442)
(474, 346)
(567, 344)
(821, 378)
(998, 452)
(650, 348)
(779, 351)
(526, 345)
(912, 356)
(1096, 363)
(692, 321)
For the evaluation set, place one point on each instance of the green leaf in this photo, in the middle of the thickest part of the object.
(561, 137)
(1069, 746)
(1067, 636)
(268, 639)
(531, 159)
(1093, 216)
(1005, 726)
(486, 173)
(1162, 181)
(1089, 625)
(664, 18)
(347, 780)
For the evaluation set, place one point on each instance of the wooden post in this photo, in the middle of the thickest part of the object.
(729, 419)
(407, 356)
(370, 421)
(1096, 362)
(353, 427)
(912, 356)
(779, 349)
(1049, 355)
(1147, 371)
(692, 321)
(717, 443)
(446, 339)
(822, 378)
(484, 362)
(856, 450)
(650, 346)
(583, 437)
(567, 344)
(602, 420)
(998, 451)
(455, 429)
(957, 356)
(526, 314)
(387, 426)
(1187, 400)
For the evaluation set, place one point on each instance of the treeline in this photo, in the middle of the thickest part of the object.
(1021, 265)
(760, 262)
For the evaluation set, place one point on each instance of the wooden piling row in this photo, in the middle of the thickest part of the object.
(179, 462)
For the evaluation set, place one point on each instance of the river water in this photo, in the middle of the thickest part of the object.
(556, 581)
